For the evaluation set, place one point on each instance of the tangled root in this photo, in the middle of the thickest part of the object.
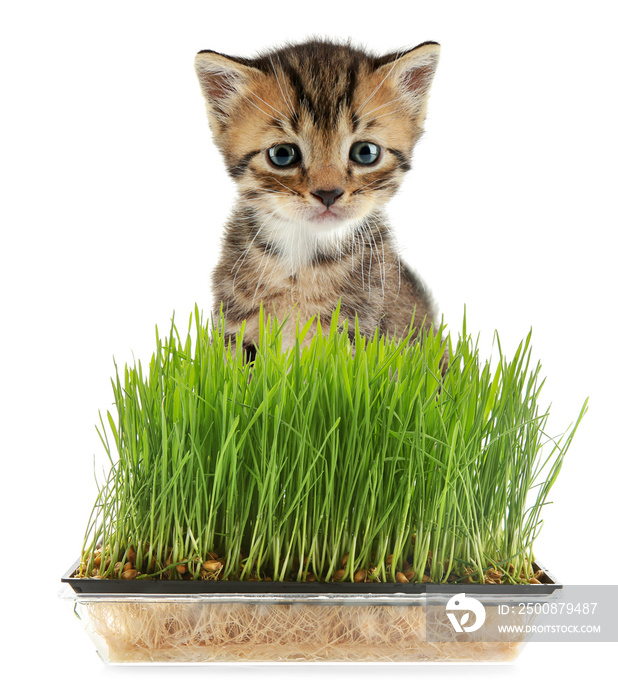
(160, 632)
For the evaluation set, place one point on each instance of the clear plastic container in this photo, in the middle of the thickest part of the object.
(297, 628)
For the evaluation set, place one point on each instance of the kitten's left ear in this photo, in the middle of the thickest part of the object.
(413, 73)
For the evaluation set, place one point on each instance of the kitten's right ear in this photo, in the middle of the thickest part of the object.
(223, 80)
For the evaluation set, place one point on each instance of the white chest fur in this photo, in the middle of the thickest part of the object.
(298, 243)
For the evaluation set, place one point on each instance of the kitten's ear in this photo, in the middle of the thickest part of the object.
(222, 79)
(413, 73)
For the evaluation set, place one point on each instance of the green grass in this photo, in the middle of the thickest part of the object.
(285, 466)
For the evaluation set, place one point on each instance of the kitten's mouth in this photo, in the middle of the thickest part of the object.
(325, 215)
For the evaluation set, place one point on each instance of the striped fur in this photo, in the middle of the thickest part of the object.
(283, 245)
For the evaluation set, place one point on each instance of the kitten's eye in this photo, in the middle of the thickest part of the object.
(364, 152)
(284, 154)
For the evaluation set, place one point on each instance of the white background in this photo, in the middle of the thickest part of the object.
(113, 203)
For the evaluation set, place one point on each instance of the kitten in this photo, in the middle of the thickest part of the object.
(318, 137)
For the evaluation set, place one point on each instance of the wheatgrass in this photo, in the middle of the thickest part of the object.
(339, 459)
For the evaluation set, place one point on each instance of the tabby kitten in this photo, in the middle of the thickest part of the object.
(318, 137)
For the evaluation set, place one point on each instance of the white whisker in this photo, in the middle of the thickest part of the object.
(244, 256)
(401, 109)
(266, 103)
(285, 99)
(271, 116)
(379, 85)
(380, 106)
(286, 187)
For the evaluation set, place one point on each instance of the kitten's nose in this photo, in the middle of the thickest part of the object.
(328, 197)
